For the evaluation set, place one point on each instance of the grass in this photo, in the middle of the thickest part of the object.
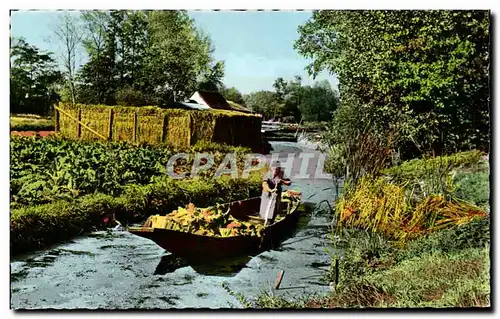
(445, 268)
(449, 268)
(459, 279)
(28, 122)
(474, 187)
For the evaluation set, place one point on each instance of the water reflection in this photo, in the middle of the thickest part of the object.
(232, 266)
(226, 267)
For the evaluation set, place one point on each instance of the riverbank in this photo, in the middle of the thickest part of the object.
(444, 263)
(35, 227)
(61, 188)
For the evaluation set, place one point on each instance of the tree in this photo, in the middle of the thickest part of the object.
(232, 94)
(179, 55)
(33, 79)
(70, 34)
(265, 103)
(423, 75)
(97, 78)
(289, 95)
(145, 57)
(317, 103)
(212, 81)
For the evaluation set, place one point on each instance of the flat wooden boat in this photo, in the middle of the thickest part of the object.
(196, 247)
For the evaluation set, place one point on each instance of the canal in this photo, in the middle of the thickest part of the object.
(117, 270)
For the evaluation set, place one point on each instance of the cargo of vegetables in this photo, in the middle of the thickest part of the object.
(155, 125)
(213, 221)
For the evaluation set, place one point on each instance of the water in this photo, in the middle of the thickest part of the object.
(117, 270)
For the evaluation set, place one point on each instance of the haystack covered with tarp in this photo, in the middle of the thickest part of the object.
(177, 127)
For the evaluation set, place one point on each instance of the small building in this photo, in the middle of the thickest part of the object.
(214, 100)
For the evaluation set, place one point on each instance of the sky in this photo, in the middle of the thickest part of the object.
(257, 47)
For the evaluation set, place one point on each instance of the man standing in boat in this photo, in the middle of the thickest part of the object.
(271, 193)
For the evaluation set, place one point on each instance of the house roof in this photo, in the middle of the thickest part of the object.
(238, 107)
(189, 106)
(215, 100)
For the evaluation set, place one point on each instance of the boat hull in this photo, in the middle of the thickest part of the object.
(200, 248)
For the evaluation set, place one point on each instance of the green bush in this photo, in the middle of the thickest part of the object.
(474, 187)
(417, 169)
(46, 169)
(128, 96)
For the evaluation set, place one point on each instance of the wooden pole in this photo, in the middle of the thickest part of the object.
(134, 131)
(79, 126)
(190, 130)
(56, 124)
(279, 278)
(110, 125)
(164, 128)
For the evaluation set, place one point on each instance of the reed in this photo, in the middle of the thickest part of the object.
(377, 205)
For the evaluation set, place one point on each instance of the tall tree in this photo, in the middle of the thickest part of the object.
(33, 79)
(318, 102)
(232, 94)
(264, 102)
(97, 76)
(421, 74)
(289, 94)
(212, 80)
(180, 54)
(69, 33)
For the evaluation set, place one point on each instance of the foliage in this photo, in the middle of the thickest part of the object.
(212, 80)
(474, 187)
(23, 123)
(448, 268)
(232, 94)
(35, 226)
(153, 57)
(180, 55)
(318, 102)
(423, 75)
(289, 94)
(46, 169)
(475, 234)
(128, 96)
(264, 102)
(460, 279)
(359, 153)
(69, 34)
(33, 79)
(417, 169)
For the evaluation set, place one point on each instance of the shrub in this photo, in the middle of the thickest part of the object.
(417, 169)
(474, 187)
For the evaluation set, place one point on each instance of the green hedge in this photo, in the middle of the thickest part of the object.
(35, 227)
